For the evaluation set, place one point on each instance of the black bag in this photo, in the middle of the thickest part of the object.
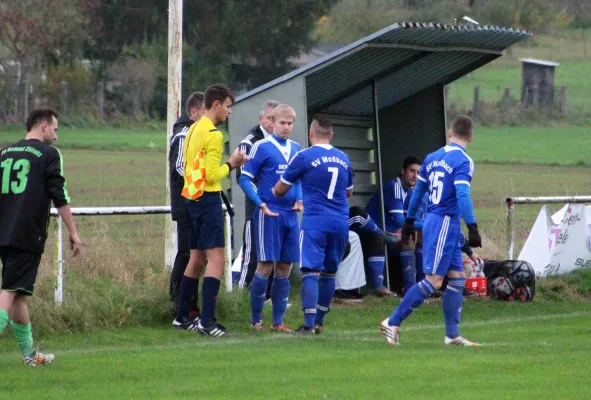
(510, 280)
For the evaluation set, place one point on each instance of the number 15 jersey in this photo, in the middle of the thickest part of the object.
(442, 171)
(326, 175)
(31, 176)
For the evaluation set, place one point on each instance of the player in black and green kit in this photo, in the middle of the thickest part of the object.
(31, 176)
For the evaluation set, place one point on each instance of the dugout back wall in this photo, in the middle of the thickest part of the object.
(415, 126)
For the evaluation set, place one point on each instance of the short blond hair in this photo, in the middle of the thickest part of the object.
(283, 110)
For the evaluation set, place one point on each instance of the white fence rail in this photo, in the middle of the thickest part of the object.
(512, 201)
(59, 266)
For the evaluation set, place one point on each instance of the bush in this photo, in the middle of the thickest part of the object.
(78, 81)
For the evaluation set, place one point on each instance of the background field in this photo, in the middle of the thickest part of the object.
(536, 350)
(117, 289)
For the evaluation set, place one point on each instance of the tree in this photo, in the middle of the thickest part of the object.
(33, 30)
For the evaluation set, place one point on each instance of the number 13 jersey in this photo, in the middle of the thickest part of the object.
(31, 175)
(442, 171)
(326, 175)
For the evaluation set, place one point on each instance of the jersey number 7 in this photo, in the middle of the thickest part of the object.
(333, 181)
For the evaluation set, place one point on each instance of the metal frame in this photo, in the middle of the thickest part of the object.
(432, 49)
(151, 210)
(378, 159)
(512, 201)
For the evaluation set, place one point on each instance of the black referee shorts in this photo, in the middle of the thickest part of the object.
(19, 269)
(207, 220)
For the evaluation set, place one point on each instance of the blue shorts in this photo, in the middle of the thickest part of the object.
(277, 237)
(207, 222)
(441, 245)
(322, 251)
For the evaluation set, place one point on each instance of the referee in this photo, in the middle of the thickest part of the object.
(203, 174)
(31, 176)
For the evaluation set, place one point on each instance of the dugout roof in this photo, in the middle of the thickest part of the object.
(385, 95)
(403, 58)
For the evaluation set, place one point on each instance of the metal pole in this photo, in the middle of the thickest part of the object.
(510, 231)
(378, 158)
(228, 221)
(59, 284)
(175, 68)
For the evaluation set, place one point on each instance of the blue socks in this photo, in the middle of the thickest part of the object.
(326, 287)
(419, 263)
(258, 288)
(187, 298)
(409, 270)
(279, 298)
(411, 300)
(309, 293)
(376, 270)
(452, 306)
(210, 289)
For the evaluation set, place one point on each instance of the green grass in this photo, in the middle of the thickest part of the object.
(494, 78)
(535, 350)
(534, 146)
(115, 340)
(99, 139)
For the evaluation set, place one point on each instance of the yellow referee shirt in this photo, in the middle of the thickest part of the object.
(204, 136)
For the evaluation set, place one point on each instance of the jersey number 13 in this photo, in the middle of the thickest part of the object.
(21, 167)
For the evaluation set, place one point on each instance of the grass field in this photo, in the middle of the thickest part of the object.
(495, 77)
(115, 340)
(536, 350)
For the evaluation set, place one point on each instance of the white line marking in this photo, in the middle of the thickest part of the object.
(356, 335)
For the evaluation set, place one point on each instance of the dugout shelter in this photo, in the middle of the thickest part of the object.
(384, 94)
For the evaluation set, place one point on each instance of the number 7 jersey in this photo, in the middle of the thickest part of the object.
(326, 175)
(442, 171)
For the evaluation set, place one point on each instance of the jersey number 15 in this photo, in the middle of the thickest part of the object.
(16, 186)
(435, 186)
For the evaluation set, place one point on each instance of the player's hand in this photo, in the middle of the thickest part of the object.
(391, 238)
(298, 206)
(76, 244)
(266, 211)
(238, 158)
(476, 259)
(474, 239)
(408, 230)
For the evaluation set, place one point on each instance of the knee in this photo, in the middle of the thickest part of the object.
(435, 280)
(264, 269)
(282, 270)
(307, 272)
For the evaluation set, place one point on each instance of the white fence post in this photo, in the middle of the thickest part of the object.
(512, 201)
(59, 272)
(174, 100)
(228, 220)
(510, 230)
(151, 210)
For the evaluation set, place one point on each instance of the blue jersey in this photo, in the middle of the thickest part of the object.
(421, 211)
(394, 197)
(326, 175)
(442, 171)
(268, 161)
